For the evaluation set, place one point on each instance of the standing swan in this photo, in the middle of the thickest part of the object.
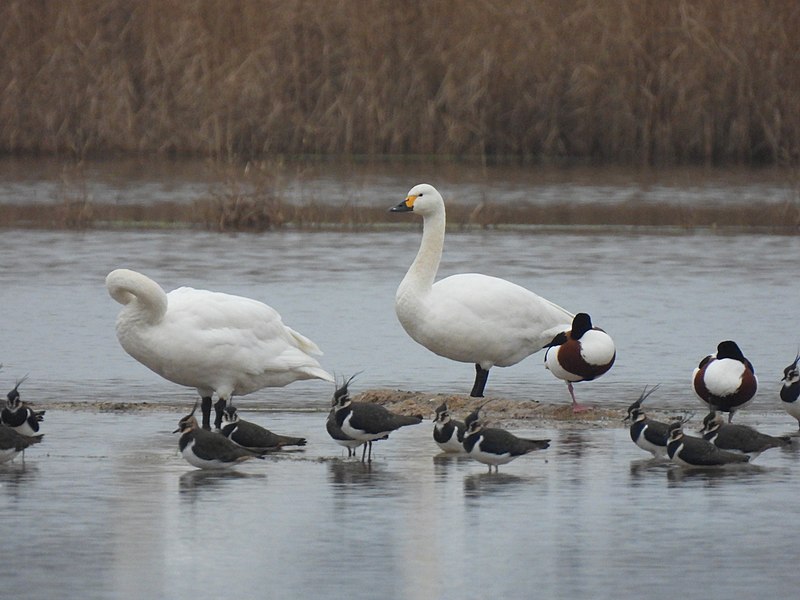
(208, 340)
(469, 317)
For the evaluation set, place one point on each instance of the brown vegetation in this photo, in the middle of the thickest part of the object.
(633, 81)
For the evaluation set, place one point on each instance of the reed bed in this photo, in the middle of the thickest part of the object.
(626, 81)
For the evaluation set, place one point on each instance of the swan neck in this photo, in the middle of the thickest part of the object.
(423, 270)
(139, 294)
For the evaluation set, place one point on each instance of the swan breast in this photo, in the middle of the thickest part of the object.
(478, 318)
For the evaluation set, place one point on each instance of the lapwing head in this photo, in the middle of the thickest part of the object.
(229, 415)
(473, 422)
(341, 397)
(711, 422)
(442, 414)
(13, 399)
(791, 374)
(188, 423)
(675, 431)
(581, 323)
(635, 412)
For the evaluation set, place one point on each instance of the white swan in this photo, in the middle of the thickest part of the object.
(469, 317)
(210, 341)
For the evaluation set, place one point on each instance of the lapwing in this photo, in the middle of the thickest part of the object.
(211, 341)
(493, 446)
(252, 436)
(206, 449)
(339, 436)
(447, 432)
(790, 391)
(650, 435)
(468, 317)
(692, 451)
(365, 421)
(725, 381)
(18, 415)
(12, 443)
(583, 353)
(739, 438)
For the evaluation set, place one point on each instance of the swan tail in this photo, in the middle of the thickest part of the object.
(305, 344)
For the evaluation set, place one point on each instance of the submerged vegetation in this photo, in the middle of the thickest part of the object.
(628, 81)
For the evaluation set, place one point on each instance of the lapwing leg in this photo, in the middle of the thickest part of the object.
(369, 452)
(481, 376)
(205, 407)
(730, 416)
(364, 452)
(576, 408)
(218, 408)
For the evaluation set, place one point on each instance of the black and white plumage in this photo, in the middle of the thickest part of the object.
(365, 421)
(582, 353)
(252, 436)
(12, 443)
(18, 415)
(790, 390)
(493, 446)
(339, 436)
(650, 435)
(725, 381)
(448, 433)
(690, 451)
(739, 438)
(206, 449)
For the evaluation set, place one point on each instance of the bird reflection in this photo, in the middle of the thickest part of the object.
(194, 483)
(350, 472)
(712, 476)
(14, 477)
(484, 484)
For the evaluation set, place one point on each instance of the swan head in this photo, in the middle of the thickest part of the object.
(423, 199)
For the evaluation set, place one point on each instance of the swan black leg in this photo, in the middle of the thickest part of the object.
(481, 376)
(218, 408)
(205, 407)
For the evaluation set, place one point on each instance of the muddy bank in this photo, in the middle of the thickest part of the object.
(500, 411)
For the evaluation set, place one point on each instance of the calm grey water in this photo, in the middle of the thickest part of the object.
(106, 508)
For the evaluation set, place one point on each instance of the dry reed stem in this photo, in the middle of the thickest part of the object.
(635, 81)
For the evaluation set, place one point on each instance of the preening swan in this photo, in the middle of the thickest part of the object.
(469, 317)
(210, 341)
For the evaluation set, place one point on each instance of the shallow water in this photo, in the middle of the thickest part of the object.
(666, 299)
(106, 508)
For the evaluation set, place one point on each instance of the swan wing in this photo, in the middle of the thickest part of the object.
(467, 315)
